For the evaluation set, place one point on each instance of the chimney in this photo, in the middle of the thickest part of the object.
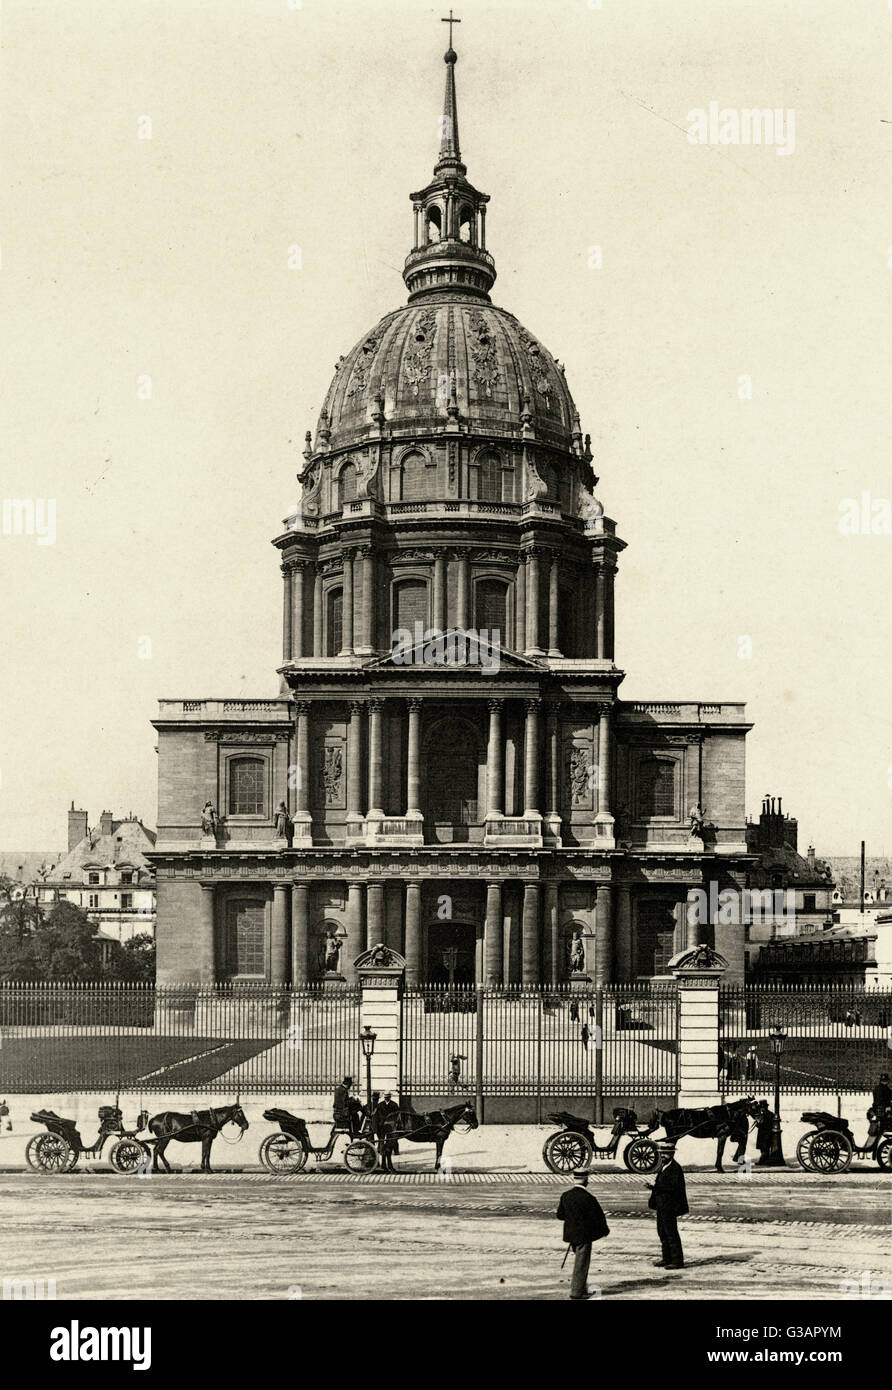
(810, 856)
(106, 823)
(77, 826)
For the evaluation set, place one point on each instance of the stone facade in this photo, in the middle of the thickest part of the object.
(448, 767)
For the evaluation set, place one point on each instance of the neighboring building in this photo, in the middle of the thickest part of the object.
(778, 868)
(505, 803)
(28, 867)
(106, 873)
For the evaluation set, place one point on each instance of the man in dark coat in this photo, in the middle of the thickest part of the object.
(882, 1097)
(584, 1222)
(348, 1111)
(386, 1113)
(669, 1200)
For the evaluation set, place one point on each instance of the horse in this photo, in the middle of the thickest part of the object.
(434, 1127)
(721, 1122)
(201, 1126)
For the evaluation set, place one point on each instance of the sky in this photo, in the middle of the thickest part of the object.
(727, 344)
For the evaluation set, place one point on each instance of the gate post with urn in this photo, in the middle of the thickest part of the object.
(698, 972)
(380, 973)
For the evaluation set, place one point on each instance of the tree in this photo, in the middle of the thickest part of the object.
(65, 945)
(133, 960)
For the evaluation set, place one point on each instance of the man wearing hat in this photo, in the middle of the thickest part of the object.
(882, 1097)
(584, 1222)
(669, 1200)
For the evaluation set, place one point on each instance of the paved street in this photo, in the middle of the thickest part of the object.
(771, 1235)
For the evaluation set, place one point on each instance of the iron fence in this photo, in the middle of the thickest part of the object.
(837, 1038)
(531, 1040)
(195, 1038)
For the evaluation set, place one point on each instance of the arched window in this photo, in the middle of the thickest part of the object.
(246, 939)
(416, 475)
(246, 787)
(410, 604)
(346, 484)
(656, 787)
(434, 223)
(466, 225)
(566, 623)
(489, 478)
(334, 626)
(491, 608)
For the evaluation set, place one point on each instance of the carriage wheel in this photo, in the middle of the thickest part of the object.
(803, 1150)
(282, 1153)
(567, 1152)
(127, 1155)
(360, 1156)
(884, 1155)
(830, 1152)
(641, 1156)
(32, 1152)
(51, 1155)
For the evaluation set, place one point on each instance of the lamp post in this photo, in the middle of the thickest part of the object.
(776, 1153)
(367, 1042)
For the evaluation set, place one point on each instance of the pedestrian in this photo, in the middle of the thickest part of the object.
(386, 1114)
(584, 1034)
(721, 1062)
(574, 1011)
(764, 1133)
(882, 1100)
(455, 1062)
(752, 1062)
(731, 1063)
(4, 1112)
(584, 1222)
(668, 1199)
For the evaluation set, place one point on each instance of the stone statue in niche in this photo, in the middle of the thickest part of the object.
(580, 781)
(577, 952)
(208, 819)
(331, 952)
(284, 824)
(332, 775)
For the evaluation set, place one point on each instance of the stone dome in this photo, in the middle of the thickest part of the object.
(447, 349)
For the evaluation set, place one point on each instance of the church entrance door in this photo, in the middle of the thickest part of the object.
(451, 949)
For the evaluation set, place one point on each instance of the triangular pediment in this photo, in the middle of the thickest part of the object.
(452, 650)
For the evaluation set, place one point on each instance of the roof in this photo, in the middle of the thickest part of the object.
(125, 847)
(24, 865)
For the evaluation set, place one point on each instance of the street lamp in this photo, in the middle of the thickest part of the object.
(367, 1042)
(776, 1153)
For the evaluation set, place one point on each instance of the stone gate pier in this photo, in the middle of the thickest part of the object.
(698, 972)
(380, 973)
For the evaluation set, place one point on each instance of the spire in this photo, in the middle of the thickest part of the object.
(450, 153)
(449, 254)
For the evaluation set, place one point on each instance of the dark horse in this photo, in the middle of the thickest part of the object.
(199, 1127)
(721, 1122)
(432, 1128)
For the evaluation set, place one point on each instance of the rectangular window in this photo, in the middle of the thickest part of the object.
(335, 626)
(92, 878)
(126, 900)
(656, 787)
(126, 877)
(246, 786)
(246, 953)
(92, 899)
(808, 902)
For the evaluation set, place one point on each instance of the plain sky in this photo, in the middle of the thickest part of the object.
(274, 125)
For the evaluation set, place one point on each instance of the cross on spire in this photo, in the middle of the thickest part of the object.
(450, 21)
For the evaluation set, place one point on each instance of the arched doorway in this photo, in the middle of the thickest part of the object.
(451, 945)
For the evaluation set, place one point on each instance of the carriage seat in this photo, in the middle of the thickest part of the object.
(628, 1117)
(56, 1122)
(824, 1120)
(568, 1121)
(277, 1116)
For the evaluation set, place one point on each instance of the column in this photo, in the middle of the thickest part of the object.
(413, 792)
(278, 943)
(520, 605)
(300, 932)
(367, 623)
(374, 922)
(623, 934)
(530, 933)
(605, 750)
(531, 759)
(482, 226)
(553, 931)
(608, 612)
(604, 931)
(533, 601)
(492, 935)
(600, 612)
(439, 620)
(286, 615)
(318, 634)
(376, 760)
(416, 210)
(302, 742)
(297, 610)
(354, 763)
(347, 605)
(698, 1036)
(205, 945)
(495, 762)
(553, 645)
(413, 933)
(354, 943)
(461, 615)
(552, 746)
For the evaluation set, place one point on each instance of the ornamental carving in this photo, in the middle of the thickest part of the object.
(537, 365)
(332, 775)
(536, 485)
(363, 364)
(579, 777)
(483, 352)
(418, 362)
(495, 557)
(274, 736)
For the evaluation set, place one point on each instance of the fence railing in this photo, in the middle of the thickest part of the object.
(837, 1038)
(535, 1040)
(216, 1038)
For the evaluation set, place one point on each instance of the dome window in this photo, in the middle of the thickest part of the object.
(334, 625)
(347, 484)
(434, 223)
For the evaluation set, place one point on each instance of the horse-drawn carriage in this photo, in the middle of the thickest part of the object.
(60, 1147)
(831, 1145)
(575, 1145)
(286, 1151)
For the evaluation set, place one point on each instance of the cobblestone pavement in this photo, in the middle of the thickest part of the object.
(772, 1235)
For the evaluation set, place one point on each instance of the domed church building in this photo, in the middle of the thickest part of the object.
(448, 767)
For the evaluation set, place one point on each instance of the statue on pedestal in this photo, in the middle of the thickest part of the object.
(208, 819)
(284, 824)
(577, 953)
(331, 953)
(697, 828)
